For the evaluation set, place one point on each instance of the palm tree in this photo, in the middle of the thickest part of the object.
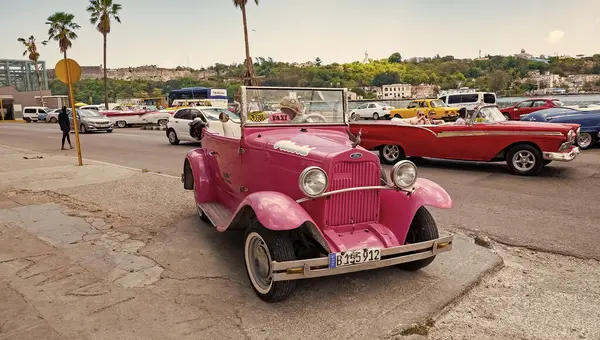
(31, 48)
(62, 29)
(101, 12)
(249, 78)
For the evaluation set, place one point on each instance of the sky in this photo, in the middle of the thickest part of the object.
(199, 33)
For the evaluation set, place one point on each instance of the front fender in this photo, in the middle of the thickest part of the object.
(278, 212)
(274, 210)
(398, 209)
(203, 182)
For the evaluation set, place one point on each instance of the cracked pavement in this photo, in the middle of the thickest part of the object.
(107, 255)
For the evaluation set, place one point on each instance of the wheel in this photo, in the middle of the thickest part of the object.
(82, 128)
(375, 116)
(203, 216)
(163, 122)
(585, 140)
(121, 124)
(262, 246)
(27, 120)
(172, 137)
(422, 229)
(53, 120)
(524, 159)
(506, 116)
(391, 154)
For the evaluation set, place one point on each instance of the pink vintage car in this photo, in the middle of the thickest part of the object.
(311, 200)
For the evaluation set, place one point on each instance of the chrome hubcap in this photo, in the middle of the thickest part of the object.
(523, 160)
(391, 152)
(172, 137)
(584, 140)
(259, 262)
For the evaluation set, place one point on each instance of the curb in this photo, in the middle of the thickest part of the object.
(12, 121)
(160, 128)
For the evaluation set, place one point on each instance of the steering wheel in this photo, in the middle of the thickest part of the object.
(312, 116)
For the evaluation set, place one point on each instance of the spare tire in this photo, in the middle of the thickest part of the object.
(196, 129)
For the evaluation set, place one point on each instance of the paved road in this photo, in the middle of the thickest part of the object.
(555, 211)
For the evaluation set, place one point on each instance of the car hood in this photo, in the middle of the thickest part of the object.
(316, 144)
(538, 126)
(96, 120)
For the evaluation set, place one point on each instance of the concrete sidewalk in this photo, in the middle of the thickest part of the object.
(106, 252)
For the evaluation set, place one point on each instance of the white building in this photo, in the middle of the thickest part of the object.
(424, 91)
(396, 91)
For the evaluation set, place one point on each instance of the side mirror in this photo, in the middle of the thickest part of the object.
(223, 117)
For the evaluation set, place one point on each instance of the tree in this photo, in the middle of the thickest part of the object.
(386, 78)
(62, 29)
(101, 13)
(395, 58)
(318, 61)
(249, 78)
(31, 49)
(498, 80)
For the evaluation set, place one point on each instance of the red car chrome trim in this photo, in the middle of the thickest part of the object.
(496, 133)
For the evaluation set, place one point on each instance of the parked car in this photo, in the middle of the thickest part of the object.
(90, 121)
(525, 146)
(588, 120)
(127, 115)
(311, 201)
(31, 113)
(372, 110)
(52, 115)
(469, 100)
(442, 111)
(528, 106)
(100, 107)
(178, 126)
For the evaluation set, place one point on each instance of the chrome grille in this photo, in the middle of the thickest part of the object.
(357, 206)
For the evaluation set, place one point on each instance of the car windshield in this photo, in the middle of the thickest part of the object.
(438, 103)
(89, 113)
(292, 106)
(558, 103)
(213, 114)
(489, 115)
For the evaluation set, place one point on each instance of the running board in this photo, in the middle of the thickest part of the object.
(217, 213)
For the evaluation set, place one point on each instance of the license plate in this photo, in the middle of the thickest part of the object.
(351, 257)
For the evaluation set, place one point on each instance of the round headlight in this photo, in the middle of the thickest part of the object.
(404, 174)
(313, 181)
(571, 136)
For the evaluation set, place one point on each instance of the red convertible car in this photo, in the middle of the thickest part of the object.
(486, 136)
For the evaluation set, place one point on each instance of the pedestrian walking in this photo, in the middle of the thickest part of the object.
(65, 126)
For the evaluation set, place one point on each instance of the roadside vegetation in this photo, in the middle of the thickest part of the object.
(501, 74)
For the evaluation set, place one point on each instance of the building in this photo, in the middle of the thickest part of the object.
(21, 75)
(544, 80)
(396, 91)
(19, 86)
(424, 91)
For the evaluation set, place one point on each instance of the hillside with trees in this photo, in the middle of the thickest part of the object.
(501, 74)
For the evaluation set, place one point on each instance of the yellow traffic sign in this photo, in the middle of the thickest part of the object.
(61, 71)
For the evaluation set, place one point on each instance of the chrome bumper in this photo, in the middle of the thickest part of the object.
(304, 269)
(562, 156)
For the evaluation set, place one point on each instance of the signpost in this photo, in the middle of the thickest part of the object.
(1, 109)
(69, 72)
